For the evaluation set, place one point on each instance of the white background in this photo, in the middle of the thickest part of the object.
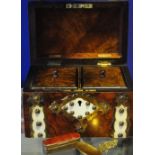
(144, 77)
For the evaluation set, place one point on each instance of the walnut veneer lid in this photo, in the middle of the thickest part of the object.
(58, 32)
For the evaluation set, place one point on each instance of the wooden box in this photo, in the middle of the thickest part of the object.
(78, 79)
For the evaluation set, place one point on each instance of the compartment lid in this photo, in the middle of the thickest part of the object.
(55, 78)
(78, 31)
(105, 78)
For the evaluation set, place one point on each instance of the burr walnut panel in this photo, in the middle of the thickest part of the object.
(55, 77)
(99, 124)
(103, 77)
(94, 33)
(89, 77)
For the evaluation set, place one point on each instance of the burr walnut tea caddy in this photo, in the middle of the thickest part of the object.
(78, 79)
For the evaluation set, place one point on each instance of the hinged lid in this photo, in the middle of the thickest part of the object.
(78, 31)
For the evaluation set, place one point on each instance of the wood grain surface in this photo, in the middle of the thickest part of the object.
(100, 125)
(79, 34)
(55, 77)
(102, 77)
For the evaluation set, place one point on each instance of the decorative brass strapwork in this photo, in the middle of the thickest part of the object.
(81, 107)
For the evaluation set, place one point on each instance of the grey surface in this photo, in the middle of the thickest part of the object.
(30, 146)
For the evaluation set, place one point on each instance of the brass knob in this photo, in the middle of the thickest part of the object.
(94, 108)
(80, 117)
(87, 113)
(40, 135)
(38, 124)
(120, 135)
(121, 123)
(88, 103)
(72, 104)
(37, 111)
(65, 108)
(72, 112)
(121, 111)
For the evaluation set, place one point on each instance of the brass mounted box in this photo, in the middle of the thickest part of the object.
(78, 79)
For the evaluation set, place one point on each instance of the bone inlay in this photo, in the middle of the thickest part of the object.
(38, 124)
(120, 125)
(79, 107)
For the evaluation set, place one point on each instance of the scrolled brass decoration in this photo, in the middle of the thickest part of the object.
(80, 107)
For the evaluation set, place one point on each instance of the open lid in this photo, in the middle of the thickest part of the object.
(78, 31)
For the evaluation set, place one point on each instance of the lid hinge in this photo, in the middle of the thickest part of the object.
(104, 63)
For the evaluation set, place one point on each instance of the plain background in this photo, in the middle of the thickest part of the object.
(25, 48)
(144, 77)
